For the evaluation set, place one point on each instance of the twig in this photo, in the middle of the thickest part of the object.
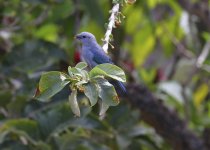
(111, 25)
(202, 57)
(181, 51)
(180, 47)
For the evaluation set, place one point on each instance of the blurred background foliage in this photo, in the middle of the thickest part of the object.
(158, 44)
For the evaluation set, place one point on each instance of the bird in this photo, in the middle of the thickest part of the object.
(93, 54)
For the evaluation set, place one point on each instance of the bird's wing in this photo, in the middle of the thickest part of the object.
(101, 57)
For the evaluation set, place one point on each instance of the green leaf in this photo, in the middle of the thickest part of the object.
(104, 107)
(75, 71)
(24, 130)
(85, 75)
(28, 126)
(107, 92)
(50, 117)
(81, 65)
(69, 71)
(73, 103)
(108, 70)
(51, 83)
(91, 91)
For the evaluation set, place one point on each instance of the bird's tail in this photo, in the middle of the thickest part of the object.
(120, 87)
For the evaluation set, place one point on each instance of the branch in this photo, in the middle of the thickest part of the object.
(111, 25)
(182, 50)
(166, 122)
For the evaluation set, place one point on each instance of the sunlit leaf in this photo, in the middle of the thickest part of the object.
(108, 70)
(51, 83)
(81, 65)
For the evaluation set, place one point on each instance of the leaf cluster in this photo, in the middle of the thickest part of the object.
(93, 84)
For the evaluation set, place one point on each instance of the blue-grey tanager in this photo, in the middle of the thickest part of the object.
(93, 55)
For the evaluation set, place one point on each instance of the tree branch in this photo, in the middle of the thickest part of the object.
(111, 25)
(164, 121)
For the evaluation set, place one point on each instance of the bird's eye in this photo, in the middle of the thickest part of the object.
(84, 36)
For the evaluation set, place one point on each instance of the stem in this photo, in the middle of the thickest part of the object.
(111, 25)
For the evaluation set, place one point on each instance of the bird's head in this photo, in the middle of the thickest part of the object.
(86, 38)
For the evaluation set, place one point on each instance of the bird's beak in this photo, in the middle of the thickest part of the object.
(76, 37)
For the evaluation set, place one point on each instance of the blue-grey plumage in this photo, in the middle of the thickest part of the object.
(93, 55)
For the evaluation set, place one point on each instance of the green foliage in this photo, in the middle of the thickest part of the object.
(107, 92)
(36, 36)
(21, 130)
(108, 70)
(73, 102)
(94, 85)
(50, 84)
(91, 93)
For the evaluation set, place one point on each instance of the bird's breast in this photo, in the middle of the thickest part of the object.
(87, 55)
